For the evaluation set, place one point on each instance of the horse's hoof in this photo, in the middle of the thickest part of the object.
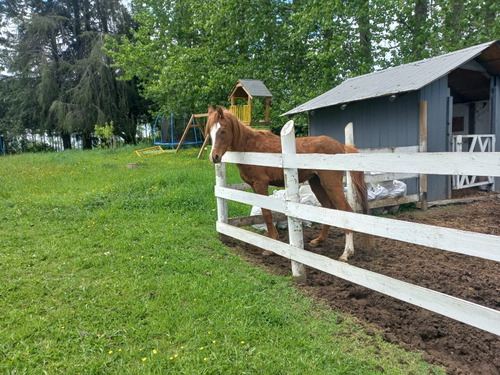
(315, 243)
(266, 253)
(343, 259)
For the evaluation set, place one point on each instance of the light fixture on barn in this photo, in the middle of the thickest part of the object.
(392, 97)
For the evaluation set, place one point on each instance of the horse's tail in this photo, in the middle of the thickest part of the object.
(358, 179)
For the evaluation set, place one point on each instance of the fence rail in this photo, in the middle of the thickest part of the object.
(473, 143)
(458, 241)
(440, 163)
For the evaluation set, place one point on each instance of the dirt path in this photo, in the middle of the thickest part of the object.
(458, 347)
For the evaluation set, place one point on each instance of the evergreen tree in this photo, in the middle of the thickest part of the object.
(70, 84)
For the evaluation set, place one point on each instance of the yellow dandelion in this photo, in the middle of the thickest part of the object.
(201, 348)
(182, 347)
(110, 352)
(155, 351)
(144, 359)
(213, 341)
(62, 327)
(175, 356)
(119, 350)
(243, 342)
(205, 358)
(171, 358)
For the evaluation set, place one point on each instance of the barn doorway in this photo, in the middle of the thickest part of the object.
(472, 127)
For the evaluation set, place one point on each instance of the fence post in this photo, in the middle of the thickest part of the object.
(222, 213)
(351, 194)
(423, 148)
(292, 195)
(220, 181)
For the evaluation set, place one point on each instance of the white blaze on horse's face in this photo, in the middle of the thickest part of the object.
(213, 135)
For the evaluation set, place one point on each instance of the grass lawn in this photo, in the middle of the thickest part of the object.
(110, 269)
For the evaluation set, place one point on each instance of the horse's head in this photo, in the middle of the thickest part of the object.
(220, 127)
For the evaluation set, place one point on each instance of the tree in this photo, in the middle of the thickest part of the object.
(71, 86)
(465, 23)
(189, 54)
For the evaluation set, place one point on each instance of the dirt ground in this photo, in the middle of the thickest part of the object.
(461, 349)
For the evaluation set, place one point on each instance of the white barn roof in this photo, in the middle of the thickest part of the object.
(402, 78)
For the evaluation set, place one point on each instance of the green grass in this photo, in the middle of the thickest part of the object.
(109, 269)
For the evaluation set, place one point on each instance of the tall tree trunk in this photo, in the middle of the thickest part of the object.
(66, 138)
(456, 15)
(365, 38)
(421, 9)
(87, 142)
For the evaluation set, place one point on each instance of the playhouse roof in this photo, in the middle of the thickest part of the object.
(407, 77)
(250, 87)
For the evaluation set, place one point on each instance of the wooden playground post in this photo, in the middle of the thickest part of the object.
(193, 123)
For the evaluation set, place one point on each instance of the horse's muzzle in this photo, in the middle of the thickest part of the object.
(216, 159)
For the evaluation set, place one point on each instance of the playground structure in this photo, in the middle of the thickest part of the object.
(245, 89)
(170, 131)
(248, 89)
(156, 150)
(174, 131)
(195, 123)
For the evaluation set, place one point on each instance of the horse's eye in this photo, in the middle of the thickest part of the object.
(223, 132)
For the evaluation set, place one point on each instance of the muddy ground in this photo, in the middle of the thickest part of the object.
(461, 349)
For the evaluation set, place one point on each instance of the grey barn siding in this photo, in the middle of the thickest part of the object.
(377, 123)
(438, 140)
(381, 123)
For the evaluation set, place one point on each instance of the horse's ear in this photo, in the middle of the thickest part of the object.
(210, 110)
(220, 111)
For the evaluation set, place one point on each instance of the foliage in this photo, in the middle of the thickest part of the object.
(189, 54)
(109, 269)
(62, 79)
(105, 134)
(24, 145)
(185, 55)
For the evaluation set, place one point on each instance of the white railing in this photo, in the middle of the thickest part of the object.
(458, 241)
(473, 143)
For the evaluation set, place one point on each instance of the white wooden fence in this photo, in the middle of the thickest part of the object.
(458, 241)
(473, 143)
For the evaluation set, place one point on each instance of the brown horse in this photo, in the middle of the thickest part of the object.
(229, 134)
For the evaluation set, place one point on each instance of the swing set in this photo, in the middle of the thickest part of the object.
(244, 89)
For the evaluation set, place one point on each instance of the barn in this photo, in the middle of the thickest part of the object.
(462, 94)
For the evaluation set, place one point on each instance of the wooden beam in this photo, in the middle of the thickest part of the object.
(268, 104)
(193, 123)
(423, 148)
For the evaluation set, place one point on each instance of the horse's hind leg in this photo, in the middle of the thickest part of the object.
(325, 201)
(331, 181)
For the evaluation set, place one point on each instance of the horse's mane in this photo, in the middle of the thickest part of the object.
(240, 129)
